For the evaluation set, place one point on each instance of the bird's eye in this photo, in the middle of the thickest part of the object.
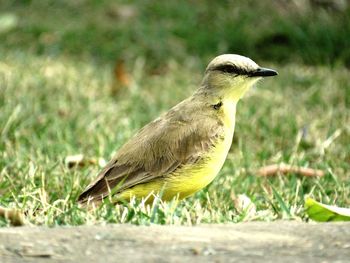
(227, 69)
(231, 69)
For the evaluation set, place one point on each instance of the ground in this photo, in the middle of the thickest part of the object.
(244, 242)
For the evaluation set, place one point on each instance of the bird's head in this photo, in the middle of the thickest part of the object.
(230, 76)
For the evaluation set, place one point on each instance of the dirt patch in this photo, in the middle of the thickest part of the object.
(244, 242)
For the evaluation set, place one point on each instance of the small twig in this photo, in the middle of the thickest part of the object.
(286, 169)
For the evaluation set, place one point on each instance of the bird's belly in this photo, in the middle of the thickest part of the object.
(188, 179)
(192, 178)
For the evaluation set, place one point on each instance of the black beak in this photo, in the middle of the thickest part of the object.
(263, 72)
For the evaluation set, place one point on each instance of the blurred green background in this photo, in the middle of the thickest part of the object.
(62, 63)
(308, 31)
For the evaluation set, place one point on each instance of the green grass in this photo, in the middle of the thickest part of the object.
(55, 81)
(59, 107)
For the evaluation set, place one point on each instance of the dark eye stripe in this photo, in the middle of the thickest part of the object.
(231, 69)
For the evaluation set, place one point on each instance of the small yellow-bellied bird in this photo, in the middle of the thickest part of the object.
(183, 150)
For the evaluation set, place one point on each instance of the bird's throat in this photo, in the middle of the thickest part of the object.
(236, 93)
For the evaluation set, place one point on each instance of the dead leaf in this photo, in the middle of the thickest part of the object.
(121, 78)
(79, 160)
(14, 216)
(282, 168)
(122, 12)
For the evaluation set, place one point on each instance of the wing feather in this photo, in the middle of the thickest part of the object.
(156, 150)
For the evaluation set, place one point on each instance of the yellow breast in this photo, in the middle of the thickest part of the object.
(191, 178)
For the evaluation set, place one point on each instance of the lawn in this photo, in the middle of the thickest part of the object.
(55, 101)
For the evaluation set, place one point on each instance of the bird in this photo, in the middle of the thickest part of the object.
(183, 150)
